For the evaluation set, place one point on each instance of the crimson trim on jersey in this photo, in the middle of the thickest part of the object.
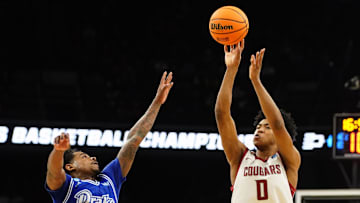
(246, 150)
(263, 160)
(292, 189)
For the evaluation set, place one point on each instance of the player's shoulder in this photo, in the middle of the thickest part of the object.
(249, 155)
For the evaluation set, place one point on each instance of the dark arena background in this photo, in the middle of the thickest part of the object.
(72, 66)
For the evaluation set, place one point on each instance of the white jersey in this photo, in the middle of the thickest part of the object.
(261, 181)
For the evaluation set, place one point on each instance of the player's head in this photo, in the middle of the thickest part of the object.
(78, 163)
(264, 135)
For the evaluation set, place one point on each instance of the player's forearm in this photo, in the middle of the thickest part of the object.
(268, 106)
(145, 123)
(224, 98)
(137, 133)
(55, 162)
(140, 129)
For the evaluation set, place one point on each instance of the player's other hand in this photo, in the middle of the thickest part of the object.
(62, 142)
(164, 87)
(256, 64)
(233, 56)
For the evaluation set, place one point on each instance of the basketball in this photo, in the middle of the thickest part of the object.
(228, 25)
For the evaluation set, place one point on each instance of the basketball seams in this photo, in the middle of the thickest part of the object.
(241, 22)
(240, 14)
(238, 38)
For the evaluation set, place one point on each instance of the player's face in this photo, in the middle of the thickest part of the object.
(85, 164)
(264, 135)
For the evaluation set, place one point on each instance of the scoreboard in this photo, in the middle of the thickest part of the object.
(346, 136)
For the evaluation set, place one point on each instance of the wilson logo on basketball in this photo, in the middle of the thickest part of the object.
(221, 27)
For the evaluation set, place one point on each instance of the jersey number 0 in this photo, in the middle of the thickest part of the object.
(261, 188)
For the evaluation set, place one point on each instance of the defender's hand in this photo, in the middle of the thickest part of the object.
(233, 57)
(62, 142)
(164, 87)
(256, 64)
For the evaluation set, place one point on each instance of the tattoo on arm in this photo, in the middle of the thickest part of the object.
(136, 135)
(143, 126)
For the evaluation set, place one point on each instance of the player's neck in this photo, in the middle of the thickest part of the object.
(264, 154)
(83, 176)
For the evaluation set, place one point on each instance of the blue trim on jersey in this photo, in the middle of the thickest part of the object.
(106, 190)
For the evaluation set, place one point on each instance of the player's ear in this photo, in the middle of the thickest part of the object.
(69, 167)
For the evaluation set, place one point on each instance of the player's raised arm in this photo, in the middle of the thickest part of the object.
(137, 133)
(233, 148)
(55, 176)
(287, 150)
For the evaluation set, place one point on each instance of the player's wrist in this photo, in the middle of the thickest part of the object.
(60, 150)
(157, 101)
(232, 69)
(255, 79)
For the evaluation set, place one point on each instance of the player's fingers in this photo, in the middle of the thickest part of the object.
(238, 47)
(56, 140)
(242, 44)
(168, 86)
(163, 77)
(225, 49)
(252, 59)
(257, 58)
(262, 55)
(66, 136)
(169, 78)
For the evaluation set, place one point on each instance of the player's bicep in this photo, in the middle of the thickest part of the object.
(233, 148)
(288, 152)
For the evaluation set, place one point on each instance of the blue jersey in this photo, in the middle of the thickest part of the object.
(106, 190)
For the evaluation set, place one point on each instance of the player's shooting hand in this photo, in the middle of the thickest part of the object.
(256, 64)
(233, 57)
(62, 142)
(164, 87)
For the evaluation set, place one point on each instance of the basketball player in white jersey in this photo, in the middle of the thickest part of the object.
(270, 174)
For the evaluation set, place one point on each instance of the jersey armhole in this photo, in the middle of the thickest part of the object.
(246, 150)
(292, 190)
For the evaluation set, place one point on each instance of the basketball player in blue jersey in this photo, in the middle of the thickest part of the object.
(270, 174)
(74, 176)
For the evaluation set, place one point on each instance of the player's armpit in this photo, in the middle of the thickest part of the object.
(55, 182)
(291, 159)
(292, 176)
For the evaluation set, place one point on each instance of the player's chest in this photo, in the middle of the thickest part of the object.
(93, 192)
(252, 167)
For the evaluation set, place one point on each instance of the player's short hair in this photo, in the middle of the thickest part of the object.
(69, 156)
(288, 119)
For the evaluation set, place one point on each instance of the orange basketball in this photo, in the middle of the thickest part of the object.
(228, 25)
